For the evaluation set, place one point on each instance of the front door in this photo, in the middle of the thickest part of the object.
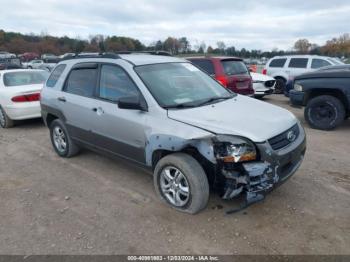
(121, 131)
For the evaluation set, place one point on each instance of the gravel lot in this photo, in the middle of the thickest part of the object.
(94, 205)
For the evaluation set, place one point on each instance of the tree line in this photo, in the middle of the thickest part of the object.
(20, 43)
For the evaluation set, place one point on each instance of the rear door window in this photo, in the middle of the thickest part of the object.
(318, 63)
(82, 81)
(298, 63)
(234, 67)
(279, 62)
(205, 64)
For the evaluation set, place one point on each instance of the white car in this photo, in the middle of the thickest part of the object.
(284, 68)
(262, 84)
(34, 64)
(20, 95)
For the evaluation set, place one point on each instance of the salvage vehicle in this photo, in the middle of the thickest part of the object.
(166, 115)
(326, 96)
(20, 94)
(262, 84)
(283, 68)
(231, 72)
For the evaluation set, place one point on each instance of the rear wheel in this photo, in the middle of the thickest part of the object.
(5, 121)
(324, 112)
(61, 141)
(280, 85)
(181, 182)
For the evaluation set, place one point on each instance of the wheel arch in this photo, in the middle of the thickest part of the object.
(328, 91)
(50, 118)
(208, 167)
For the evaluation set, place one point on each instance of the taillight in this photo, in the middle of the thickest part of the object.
(26, 98)
(264, 71)
(222, 80)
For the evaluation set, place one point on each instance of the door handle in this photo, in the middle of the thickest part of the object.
(98, 110)
(62, 99)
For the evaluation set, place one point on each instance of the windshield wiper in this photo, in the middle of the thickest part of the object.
(179, 106)
(213, 99)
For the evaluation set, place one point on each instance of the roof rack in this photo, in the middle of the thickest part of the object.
(160, 52)
(98, 55)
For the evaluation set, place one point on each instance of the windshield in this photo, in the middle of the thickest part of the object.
(181, 84)
(336, 61)
(25, 78)
(234, 67)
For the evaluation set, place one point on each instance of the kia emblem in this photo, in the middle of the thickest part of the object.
(291, 136)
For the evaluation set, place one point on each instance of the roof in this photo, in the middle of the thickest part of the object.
(20, 70)
(301, 56)
(215, 57)
(135, 59)
(144, 59)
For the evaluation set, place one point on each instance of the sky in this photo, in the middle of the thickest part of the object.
(262, 25)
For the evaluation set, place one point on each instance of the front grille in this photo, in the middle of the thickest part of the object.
(280, 141)
(270, 83)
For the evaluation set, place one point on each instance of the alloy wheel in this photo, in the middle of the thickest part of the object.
(59, 139)
(174, 186)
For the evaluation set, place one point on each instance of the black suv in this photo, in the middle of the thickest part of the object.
(326, 95)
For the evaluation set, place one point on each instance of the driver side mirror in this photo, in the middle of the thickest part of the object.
(133, 103)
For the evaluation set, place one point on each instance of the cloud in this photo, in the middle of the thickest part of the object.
(251, 24)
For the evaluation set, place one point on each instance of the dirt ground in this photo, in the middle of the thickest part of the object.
(94, 205)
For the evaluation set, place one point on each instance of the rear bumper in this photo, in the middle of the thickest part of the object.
(21, 111)
(296, 97)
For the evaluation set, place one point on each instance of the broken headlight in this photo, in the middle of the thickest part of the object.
(236, 150)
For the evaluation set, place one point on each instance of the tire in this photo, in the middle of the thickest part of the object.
(195, 180)
(5, 121)
(259, 96)
(280, 85)
(324, 112)
(61, 141)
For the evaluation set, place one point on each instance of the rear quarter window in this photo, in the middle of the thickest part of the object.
(234, 67)
(298, 63)
(55, 75)
(205, 65)
(279, 62)
(318, 63)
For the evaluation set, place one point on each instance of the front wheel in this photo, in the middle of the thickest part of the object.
(181, 182)
(324, 112)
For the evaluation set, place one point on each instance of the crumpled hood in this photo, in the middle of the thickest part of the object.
(242, 116)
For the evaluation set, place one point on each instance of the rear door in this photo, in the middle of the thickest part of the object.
(77, 101)
(297, 66)
(119, 131)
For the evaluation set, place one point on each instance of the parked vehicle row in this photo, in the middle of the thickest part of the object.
(167, 115)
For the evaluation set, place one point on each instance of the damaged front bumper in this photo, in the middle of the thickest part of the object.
(255, 179)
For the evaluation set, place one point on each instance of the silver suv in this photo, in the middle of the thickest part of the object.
(166, 114)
